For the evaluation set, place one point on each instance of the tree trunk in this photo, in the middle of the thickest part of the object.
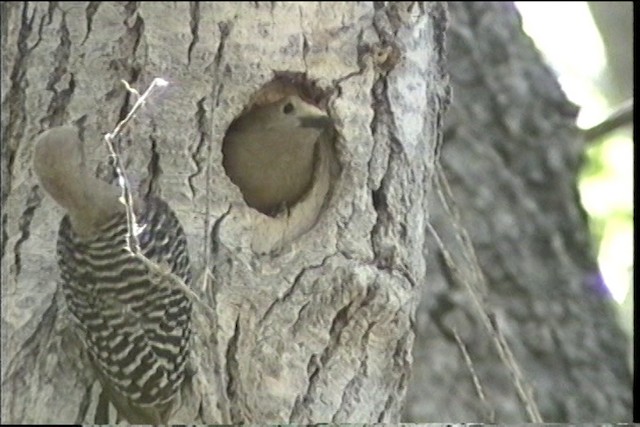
(306, 316)
(512, 154)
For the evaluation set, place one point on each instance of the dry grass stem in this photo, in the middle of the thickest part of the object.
(476, 381)
(474, 281)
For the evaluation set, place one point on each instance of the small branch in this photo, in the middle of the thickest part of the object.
(619, 118)
(157, 82)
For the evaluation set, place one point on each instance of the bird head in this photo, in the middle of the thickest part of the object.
(58, 159)
(290, 114)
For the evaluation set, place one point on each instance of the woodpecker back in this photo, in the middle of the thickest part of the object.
(135, 324)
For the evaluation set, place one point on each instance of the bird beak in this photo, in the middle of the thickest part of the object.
(319, 122)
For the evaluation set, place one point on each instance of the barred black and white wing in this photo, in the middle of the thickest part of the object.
(135, 324)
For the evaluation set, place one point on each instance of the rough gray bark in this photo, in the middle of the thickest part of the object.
(307, 325)
(511, 152)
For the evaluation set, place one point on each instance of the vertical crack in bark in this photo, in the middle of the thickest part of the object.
(90, 12)
(383, 259)
(15, 101)
(5, 236)
(305, 42)
(203, 129)
(215, 231)
(385, 409)
(386, 22)
(305, 52)
(194, 24)
(57, 108)
(376, 119)
(383, 130)
(33, 201)
(379, 131)
(233, 375)
(225, 30)
(135, 31)
(153, 167)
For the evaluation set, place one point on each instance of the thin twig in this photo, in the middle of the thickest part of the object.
(133, 229)
(126, 198)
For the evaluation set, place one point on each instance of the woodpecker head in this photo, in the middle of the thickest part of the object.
(58, 161)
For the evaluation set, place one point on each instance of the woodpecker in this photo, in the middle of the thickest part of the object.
(134, 325)
(270, 152)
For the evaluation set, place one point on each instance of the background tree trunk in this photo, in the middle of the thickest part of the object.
(512, 153)
(302, 326)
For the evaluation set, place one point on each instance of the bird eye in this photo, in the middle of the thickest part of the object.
(288, 108)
